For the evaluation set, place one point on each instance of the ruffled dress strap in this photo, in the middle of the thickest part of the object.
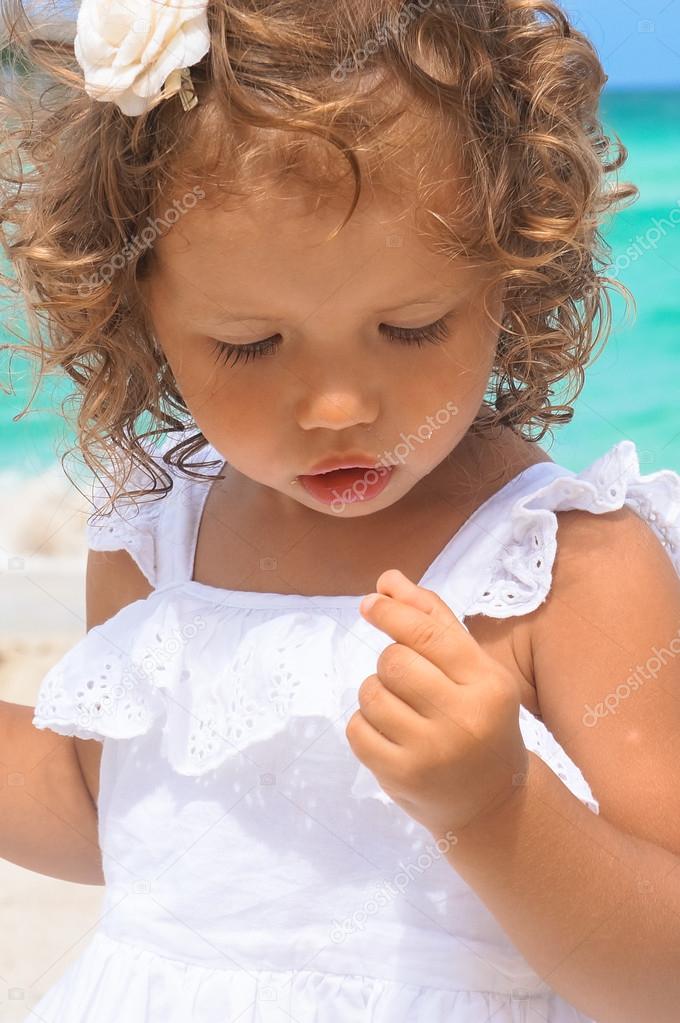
(134, 525)
(521, 576)
(501, 564)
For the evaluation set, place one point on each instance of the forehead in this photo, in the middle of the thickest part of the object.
(276, 225)
(296, 222)
(276, 255)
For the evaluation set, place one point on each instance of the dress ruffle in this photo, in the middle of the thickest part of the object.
(113, 981)
(518, 580)
(215, 675)
(162, 658)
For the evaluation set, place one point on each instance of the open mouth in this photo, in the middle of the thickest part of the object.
(348, 485)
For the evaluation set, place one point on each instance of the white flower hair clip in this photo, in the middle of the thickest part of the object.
(136, 53)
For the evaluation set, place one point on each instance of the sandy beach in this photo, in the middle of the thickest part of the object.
(46, 922)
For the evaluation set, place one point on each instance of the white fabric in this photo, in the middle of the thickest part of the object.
(255, 869)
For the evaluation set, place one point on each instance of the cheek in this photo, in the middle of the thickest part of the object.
(225, 404)
(461, 368)
(478, 340)
(197, 376)
(448, 395)
(202, 381)
(222, 402)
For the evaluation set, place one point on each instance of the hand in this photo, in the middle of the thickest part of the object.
(438, 724)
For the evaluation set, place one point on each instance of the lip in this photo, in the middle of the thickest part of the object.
(347, 486)
(351, 460)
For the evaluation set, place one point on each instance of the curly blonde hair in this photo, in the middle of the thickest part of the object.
(507, 91)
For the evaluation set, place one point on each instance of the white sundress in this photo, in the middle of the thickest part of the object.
(255, 870)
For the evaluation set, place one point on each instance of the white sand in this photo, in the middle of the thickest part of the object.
(43, 553)
(45, 922)
(44, 601)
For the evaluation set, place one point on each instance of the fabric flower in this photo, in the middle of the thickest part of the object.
(129, 48)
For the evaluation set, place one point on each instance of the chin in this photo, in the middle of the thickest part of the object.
(355, 510)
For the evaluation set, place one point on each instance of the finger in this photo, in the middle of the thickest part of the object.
(387, 713)
(373, 749)
(393, 583)
(414, 680)
(430, 628)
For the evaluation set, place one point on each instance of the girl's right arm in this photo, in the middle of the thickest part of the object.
(48, 792)
(48, 822)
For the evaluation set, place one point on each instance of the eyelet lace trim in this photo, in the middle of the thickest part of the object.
(156, 658)
(135, 668)
(520, 577)
(538, 739)
(116, 534)
(105, 700)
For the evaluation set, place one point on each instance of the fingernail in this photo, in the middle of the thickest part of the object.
(368, 602)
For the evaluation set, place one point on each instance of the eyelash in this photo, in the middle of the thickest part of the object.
(432, 333)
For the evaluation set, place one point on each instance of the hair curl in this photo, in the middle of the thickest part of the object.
(505, 90)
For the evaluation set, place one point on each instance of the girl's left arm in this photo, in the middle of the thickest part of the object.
(593, 902)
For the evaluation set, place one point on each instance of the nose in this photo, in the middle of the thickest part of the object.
(337, 409)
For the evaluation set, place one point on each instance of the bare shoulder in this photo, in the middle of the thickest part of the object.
(605, 648)
(112, 581)
(598, 558)
(601, 657)
(599, 554)
(605, 564)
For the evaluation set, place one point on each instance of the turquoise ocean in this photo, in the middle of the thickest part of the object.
(632, 389)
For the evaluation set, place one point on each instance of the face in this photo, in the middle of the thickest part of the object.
(289, 348)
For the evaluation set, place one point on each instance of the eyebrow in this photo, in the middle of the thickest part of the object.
(430, 300)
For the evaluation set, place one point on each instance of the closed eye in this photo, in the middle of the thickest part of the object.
(432, 333)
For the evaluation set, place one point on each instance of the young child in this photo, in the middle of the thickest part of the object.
(344, 253)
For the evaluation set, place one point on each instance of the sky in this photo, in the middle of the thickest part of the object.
(638, 41)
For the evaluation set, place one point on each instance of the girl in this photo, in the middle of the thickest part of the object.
(344, 253)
